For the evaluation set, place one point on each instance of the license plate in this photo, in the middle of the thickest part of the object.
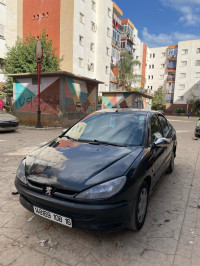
(53, 216)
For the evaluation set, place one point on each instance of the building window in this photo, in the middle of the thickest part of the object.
(151, 76)
(108, 32)
(92, 46)
(153, 55)
(161, 76)
(197, 63)
(184, 51)
(149, 66)
(107, 70)
(198, 51)
(82, 18)
(33, 17)
(81, 40)
(162, 66)
(47, 14)
(123, 45)
(182, 86)
(1, 31)
(109, 12)
(43, 15)
(93, 26)
(94, 5)
(38, 16)
(151, 87)
(152, 66)
(150, 55)
(91, 67)
(163, 55)
(181, 98)
(107, 51)
(197, 75)
(80, 62)
(182, 75)
(183, 63)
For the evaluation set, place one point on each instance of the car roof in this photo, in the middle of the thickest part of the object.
(128, 110)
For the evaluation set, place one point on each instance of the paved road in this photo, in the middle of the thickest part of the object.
(170, 236)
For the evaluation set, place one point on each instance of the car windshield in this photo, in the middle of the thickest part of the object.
(2, 111)
(126, 129)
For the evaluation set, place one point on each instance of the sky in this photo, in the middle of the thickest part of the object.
(163, 22)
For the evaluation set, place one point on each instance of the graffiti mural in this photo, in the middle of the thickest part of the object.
(26, 95)
(80, 96)
(122, 100)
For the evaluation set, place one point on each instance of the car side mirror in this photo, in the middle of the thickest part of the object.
(162, 142)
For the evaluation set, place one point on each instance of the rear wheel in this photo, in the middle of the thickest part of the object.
(171, 165)
(139, 208)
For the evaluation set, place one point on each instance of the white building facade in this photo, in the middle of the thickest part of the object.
(187, 71)
(92, 40)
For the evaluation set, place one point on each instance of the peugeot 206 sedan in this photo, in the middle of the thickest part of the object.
(99, 173)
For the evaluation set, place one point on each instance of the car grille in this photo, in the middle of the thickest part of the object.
(197, 130)
(56, 192)
(9, 124)
(71, 215)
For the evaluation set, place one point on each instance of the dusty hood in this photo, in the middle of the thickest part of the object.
(74, 165)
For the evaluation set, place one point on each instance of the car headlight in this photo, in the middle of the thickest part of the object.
(198, 123)
(104, 190)
(21, 172)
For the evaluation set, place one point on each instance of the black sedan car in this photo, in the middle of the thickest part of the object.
(8, 122)
(197, 129)
(99, 173)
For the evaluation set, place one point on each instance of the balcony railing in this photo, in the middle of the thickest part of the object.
(170, 56)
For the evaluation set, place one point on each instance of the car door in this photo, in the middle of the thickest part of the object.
(158, 153)
(167, 133)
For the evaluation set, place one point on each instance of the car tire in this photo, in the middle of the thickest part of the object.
(139, 210)
(170, 169)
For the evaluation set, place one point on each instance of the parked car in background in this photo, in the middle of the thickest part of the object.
(8, 122)
(99, 173)
(161, 111)
(197, 129)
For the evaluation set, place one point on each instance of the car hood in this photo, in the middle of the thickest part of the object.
(75, 165)
(8, 117)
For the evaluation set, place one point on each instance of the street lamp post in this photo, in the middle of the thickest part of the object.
(38, 57)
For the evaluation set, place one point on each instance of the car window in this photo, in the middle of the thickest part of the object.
(164, 125)
(119, 128)
(156, 131)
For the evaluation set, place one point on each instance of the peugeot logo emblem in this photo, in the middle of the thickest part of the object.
(48, 191)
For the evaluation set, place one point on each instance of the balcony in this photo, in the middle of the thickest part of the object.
(128, 37)
(116, 43)
(172, 57)
(171, 79)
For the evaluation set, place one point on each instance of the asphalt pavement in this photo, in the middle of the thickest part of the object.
(170, 236)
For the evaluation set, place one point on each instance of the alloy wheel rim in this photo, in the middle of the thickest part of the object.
(142, 205)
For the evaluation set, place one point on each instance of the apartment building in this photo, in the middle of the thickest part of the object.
(116, 45)
(187, 71)
(177, 69)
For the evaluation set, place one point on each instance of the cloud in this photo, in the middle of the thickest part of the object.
(162, 39)
(189, 10)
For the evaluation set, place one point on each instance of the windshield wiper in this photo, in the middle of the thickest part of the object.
(99, 142)
(70, 138)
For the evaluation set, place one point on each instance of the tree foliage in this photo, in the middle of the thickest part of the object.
(158, 101)
(126, 75)
(21, 57)
(194, 102)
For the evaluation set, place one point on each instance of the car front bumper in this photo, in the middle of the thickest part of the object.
(5, 126)
(197, 131)
(97, 217)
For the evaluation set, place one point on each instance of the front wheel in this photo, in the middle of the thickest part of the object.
(139, 208)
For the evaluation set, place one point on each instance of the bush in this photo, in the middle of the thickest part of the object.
(180, 110)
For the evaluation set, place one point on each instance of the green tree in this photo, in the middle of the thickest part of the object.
(21, 59)
(158, 101)
(126, 75)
